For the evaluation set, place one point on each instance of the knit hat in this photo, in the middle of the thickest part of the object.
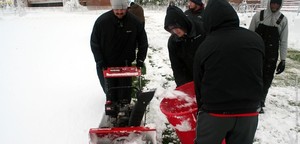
(175, 18)
(276, 1)
(119, 4)
(197, 2)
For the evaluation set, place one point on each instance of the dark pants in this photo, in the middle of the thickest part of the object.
(268, 76)
(101, 78)
(116, 89)
(119, 89)
(236, 130)
(271, 36)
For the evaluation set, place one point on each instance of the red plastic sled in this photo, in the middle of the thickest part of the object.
(182, 114)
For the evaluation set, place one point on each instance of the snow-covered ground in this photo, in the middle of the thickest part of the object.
(50, 93)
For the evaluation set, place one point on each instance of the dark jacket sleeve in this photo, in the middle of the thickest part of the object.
(198, 76)
(142, 42)
(177, 65)
(95, 42)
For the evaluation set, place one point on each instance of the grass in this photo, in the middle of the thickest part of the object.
(291, 72)
(294, 55)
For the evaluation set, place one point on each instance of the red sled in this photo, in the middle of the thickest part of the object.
(181, 113)
(133, 132)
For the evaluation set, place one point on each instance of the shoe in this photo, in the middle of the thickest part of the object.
(261, 111)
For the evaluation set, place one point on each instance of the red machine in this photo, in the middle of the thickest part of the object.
(125, 125)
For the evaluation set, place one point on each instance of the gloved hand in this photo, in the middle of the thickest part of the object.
(280, 67)
(139, 63)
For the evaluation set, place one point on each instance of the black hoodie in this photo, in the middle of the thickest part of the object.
(228, 64)
(176, 18)
(182, 50)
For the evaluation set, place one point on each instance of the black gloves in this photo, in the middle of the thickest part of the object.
(280, 67)
(139, 63)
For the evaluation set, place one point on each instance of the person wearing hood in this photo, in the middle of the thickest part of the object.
(118, 39)
(272, 26)
(185, 38)
(228, 78)
(195, 10)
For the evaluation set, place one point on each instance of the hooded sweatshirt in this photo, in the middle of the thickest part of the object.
(182, 50)
(270, 19)
(228, 64)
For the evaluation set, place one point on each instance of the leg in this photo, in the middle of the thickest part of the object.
(124, 94)
(268, 75)
(101, 78)
(243, 131)
(111, 108)
(112, 93)
(210, 129)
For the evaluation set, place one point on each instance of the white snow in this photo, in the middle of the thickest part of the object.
(184, 126)
(50, 93)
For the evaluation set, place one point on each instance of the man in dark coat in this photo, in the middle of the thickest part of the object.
(183, 43)
(115, 37)
(228, 78)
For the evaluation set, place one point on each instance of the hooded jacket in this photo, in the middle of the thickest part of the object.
(182, 50)
(196, 15)
(270, 19)
(228, 64)
(114, 41)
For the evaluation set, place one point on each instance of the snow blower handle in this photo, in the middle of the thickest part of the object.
(120, 72)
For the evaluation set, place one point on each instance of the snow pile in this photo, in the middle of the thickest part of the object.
(180, 95)
(184, 126)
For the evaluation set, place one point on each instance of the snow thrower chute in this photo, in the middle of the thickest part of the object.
(122, 121)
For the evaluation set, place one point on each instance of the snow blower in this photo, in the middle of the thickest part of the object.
(122, 121)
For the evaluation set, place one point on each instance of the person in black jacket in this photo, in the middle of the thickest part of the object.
(182, 44)
(195, 10)
(115, 37)
(228, 78)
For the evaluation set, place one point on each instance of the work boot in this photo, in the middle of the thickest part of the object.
(262, 105)
(261, 111)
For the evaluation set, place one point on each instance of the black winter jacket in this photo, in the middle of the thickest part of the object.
(228, 64)
(182, 50)
(196, 16)
(114, 41)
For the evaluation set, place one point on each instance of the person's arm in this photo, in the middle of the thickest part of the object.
(95, 44)
(176, 64)
(198, 76)
(283, 39)
(254, 22)
(142, 41)
(283, 46)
